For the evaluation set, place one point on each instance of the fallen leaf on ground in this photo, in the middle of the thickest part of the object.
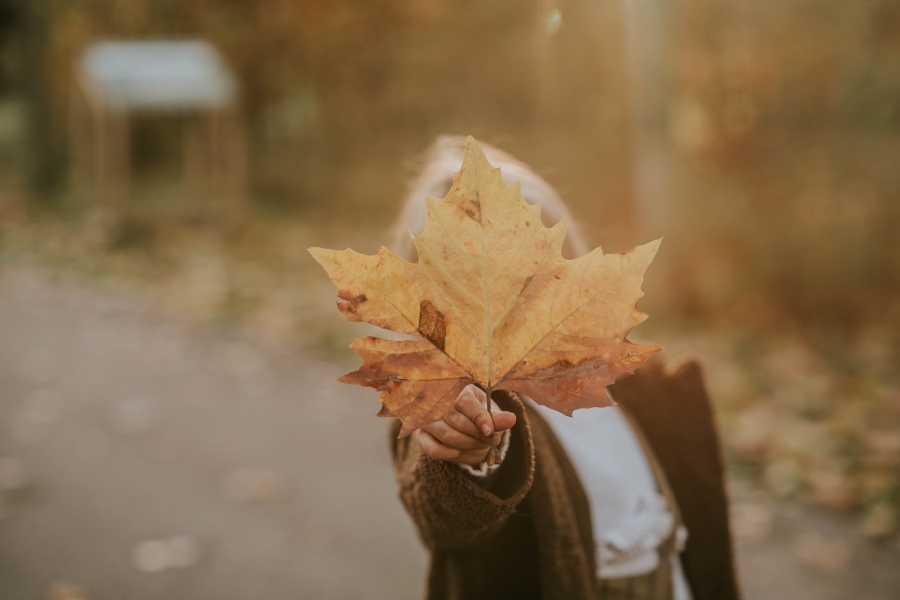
(68, 591)
(819, 552)
(254, 485)
(492, 302)
(156, 556)
(751, 520)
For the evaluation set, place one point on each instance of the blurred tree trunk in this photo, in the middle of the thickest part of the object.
(649, 62)
(8, 24)
(46, 157)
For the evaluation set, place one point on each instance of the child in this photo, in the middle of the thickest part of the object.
(626, 502)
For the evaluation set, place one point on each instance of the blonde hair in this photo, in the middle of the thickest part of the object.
(443, 159)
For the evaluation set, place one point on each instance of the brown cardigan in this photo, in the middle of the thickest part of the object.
(530, 536)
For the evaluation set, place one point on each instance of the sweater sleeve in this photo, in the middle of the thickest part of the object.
(452, 512)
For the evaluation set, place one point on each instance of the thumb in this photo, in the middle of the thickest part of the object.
(504, 420)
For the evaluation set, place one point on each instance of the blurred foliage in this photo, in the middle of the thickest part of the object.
(781, 128)
(785, 119)
(338, 94)
(259, 280)
(787, 116)
(813, 416)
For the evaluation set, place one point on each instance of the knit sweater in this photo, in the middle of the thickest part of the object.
(529, 535)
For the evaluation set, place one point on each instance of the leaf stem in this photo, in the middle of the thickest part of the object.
(493, 457)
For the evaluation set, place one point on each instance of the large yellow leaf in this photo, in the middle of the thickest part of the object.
(493, 302)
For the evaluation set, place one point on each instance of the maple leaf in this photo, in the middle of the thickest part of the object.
(491, 301)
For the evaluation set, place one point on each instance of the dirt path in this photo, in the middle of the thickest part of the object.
(146, 460)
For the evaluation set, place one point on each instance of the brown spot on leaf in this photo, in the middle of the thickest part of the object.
(352, 302)
(431, 324)
(527, 281)
(470, 204)
(557, 277)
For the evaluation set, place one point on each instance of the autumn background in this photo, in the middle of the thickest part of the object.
(760, 139)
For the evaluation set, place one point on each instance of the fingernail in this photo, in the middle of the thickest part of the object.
(486, 429)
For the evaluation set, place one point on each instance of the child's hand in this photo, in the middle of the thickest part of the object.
(463, 435)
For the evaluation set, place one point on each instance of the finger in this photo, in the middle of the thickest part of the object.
(453, 438)
(472, 457)
(433, 448)
(462, 424)
(504, 420)
(468, 405)
(475, 391)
